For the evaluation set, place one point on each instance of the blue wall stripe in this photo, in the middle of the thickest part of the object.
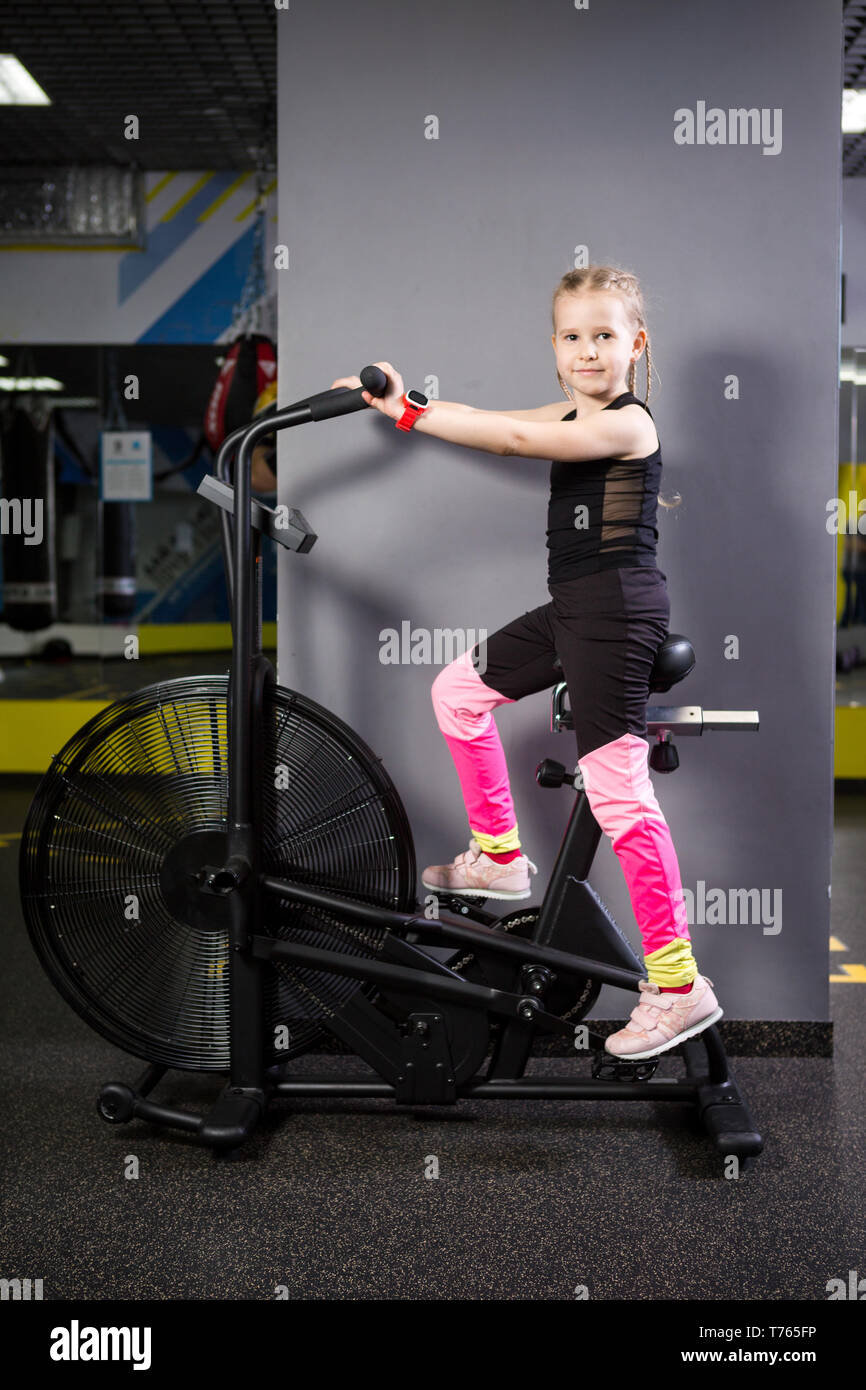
(204, 311)
(163, 239)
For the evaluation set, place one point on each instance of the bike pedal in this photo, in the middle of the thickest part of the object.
(607, 1068)
(461, 904)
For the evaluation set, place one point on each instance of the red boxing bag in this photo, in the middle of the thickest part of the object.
(250, 366)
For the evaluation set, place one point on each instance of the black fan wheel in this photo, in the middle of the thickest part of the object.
(136, 802)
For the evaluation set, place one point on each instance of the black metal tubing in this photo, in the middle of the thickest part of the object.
(544, 1088)
(249, 675)
(576, 853)
(686, 1092)
(246, 630)
(407, 980)
(222, 469)
(447, 931)
(158, 1114)
(240, 770)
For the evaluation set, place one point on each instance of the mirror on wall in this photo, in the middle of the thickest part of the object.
(851, 503)
(850, 526)
(103, 537)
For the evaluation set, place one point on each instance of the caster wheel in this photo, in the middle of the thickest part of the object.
(116, 1103)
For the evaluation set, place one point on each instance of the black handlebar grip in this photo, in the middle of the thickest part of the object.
(374, 380)
(339, 401)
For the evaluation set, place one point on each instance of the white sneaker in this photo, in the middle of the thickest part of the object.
(473, 873)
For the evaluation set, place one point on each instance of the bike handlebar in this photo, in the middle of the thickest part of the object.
(342, 400)
(324, 405)
(339, 400)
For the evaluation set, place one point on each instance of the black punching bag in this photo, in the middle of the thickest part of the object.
(116, 584)
(28, 519)
(115, 581)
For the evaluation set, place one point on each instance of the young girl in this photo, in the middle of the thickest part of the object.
(608, 614)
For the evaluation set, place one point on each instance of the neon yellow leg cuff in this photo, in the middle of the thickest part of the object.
(497, 844)
(672, 965)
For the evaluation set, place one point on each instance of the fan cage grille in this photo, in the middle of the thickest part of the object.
(152, 769)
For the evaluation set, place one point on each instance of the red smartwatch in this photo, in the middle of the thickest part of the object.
(416, 403)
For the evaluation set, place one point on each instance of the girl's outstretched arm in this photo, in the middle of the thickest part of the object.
(455, 424)
(604, 434)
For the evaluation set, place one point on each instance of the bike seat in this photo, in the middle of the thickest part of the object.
(674, 660)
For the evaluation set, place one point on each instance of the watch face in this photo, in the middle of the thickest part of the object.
(417, 398)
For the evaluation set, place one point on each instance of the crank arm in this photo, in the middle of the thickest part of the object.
(444, 984)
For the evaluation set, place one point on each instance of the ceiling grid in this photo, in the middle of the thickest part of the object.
(201, 77)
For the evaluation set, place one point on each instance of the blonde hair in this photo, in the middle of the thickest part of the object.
(622, 282)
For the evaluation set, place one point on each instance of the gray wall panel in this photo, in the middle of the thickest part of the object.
(441, 256)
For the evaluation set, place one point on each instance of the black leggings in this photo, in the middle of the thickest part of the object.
(606, 629)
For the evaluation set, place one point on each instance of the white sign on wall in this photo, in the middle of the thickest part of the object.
(126, 474)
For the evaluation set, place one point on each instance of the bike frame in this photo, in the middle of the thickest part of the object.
(402, 968)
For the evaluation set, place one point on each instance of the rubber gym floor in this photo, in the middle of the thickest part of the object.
(330, 1200)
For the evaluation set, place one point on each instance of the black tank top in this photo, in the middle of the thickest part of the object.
(616, 526)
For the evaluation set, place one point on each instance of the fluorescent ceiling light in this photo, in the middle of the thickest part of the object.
(17, 87)
(853, 111)
(854, 367)
(30, 383)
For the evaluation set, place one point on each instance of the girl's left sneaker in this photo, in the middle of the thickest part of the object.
(473, 873)
(662, 1021)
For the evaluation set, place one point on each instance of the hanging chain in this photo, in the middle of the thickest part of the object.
(248, 312)
(115, 418)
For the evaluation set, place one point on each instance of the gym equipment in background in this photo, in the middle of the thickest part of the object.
(27, 471)
(217, 872)
(250, 364)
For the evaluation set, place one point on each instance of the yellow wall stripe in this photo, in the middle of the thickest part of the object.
(193, 637)
(226, 193)
(849, 749)
(251, 207)
(850, 480)
(158, 187)
(32, 731)
(185, 198)
(34, 246)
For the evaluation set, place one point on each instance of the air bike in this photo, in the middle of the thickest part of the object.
(218, 875)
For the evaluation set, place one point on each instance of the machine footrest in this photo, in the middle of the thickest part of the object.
(726, 1119)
